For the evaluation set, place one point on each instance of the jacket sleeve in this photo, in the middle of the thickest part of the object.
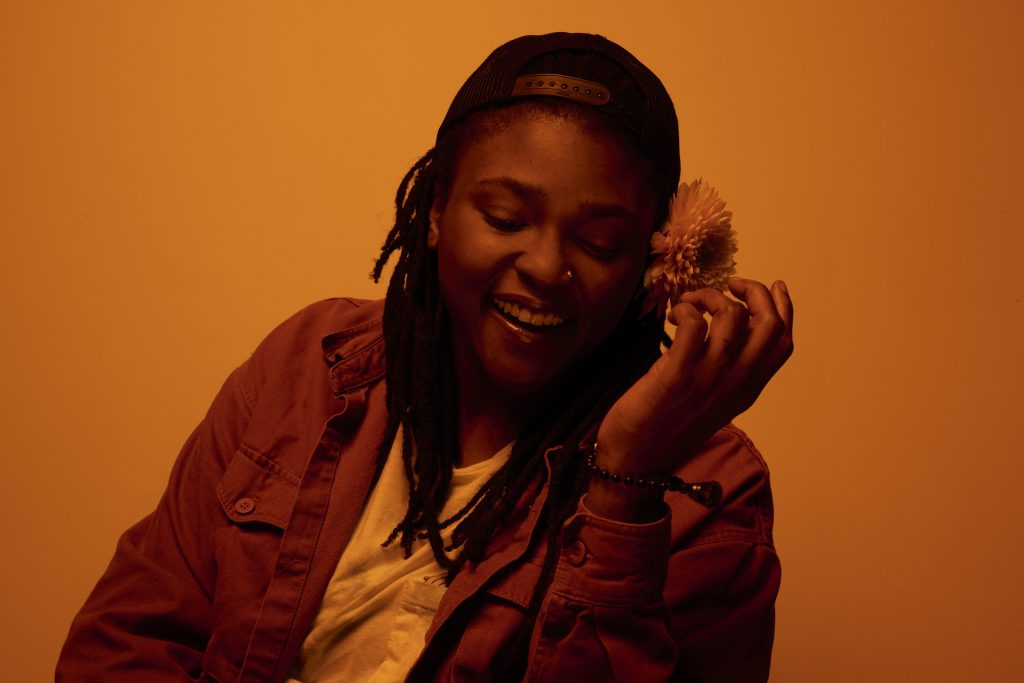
(149, 617)
(690, 599)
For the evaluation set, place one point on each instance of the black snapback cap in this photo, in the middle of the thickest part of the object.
(584, 68)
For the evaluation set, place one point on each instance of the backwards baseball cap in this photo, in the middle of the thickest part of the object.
(583, 68)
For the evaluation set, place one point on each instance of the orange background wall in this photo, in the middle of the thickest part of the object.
(176, 178)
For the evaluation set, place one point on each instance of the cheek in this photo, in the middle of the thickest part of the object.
(465, 260)
(609, 297)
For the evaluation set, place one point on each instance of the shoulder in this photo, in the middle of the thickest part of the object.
(746, 512)
(316, 327)
(324, 318)
(314, 338)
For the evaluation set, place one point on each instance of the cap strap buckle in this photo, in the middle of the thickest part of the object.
(560, 85)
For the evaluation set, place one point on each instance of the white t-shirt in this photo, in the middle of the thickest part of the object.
(378, 605)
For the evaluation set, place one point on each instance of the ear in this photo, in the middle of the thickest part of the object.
(434, 231)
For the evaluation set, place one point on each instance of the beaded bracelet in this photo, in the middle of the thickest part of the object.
(707, 493)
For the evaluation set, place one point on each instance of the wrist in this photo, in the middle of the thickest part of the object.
(631, 494)
(614, 492)
(624, 504)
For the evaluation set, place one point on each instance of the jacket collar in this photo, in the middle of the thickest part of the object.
(353, 347)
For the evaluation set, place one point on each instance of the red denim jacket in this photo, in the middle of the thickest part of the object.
(223, 580)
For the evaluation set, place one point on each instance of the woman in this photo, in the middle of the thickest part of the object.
(435, 486)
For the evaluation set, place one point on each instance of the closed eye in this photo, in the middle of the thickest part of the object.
(600, 251)
(504, 224)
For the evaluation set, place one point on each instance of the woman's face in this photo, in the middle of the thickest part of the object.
(526, 204)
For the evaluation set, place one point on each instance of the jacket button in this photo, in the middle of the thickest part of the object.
(244, 506)
(576, 553)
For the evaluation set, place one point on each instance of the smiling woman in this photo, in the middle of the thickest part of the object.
(544, 221)
(483, 476)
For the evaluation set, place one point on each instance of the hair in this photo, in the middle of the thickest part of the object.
(420, 376)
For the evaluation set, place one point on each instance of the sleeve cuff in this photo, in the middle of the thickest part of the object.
(604, 561)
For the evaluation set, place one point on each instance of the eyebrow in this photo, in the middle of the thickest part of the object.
(534, 193)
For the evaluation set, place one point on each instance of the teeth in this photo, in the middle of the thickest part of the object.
(524, 315)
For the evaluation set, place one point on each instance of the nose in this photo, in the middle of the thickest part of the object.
(541, 261)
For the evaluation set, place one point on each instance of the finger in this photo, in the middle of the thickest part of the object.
(688, 341)
(766, 324)
(728, 329)
(755, 295)
(783, 303)
(751, 387)
(776, 349)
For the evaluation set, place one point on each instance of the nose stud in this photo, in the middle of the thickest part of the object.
(571, 275)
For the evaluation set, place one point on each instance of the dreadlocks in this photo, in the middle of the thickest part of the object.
(421, 389)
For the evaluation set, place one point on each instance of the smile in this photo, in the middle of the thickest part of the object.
(527, 316)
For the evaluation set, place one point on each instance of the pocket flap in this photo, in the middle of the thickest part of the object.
(255, 489)
(515, 583)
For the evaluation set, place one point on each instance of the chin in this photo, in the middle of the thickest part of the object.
(522, 381)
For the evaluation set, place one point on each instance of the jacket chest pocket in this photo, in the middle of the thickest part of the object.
(257, 497)
(255, 490)
(473, 642)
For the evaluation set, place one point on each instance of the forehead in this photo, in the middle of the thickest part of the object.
(565, 157)
(488, 122)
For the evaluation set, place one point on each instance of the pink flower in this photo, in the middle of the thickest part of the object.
(694, 248)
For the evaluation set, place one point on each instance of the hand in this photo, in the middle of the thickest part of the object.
(710, 375)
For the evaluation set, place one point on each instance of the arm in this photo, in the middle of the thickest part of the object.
(150, 615)
(713, 619)
(604, 618)
(723, 614)
(689, 598)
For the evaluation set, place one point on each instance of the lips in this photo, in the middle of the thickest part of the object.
(527, 316)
